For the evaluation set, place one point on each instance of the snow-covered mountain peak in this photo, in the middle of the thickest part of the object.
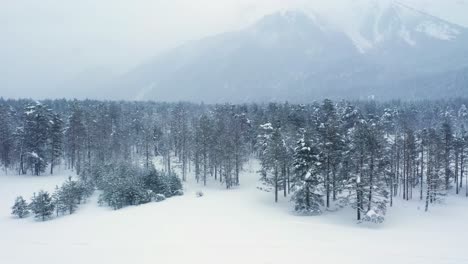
(398, 23)
(290, 19)
(315, 55)
(440, 31)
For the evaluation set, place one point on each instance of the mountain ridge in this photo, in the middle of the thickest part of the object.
(290, 55)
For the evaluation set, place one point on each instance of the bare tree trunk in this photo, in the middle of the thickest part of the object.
(462, 166)
(327, 182)
(283, 176)
(52, 164)
(371, 180)
(456, 172)
(204, 168)
(276, 183)
(422, 172)
(169, 162)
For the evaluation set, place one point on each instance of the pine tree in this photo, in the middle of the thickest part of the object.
(20, 208)
(436, 179)
(58, 202)
(307, 182)
(36, 133)
(272, 155)
(329, 131)
(6, 137)
(41, 205)
(368, 192)
(56, 141)
(75, 135)
(69, 195)
(448, 144)
(205, 140)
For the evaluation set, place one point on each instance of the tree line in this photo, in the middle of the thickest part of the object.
(324, 155)
(364, 154)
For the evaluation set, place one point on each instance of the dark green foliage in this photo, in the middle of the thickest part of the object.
(126, 184)
(42, 205)
(156, 182)
(175, 184)
(55, 140)
(20, 208)
(36, 133)
(307, 182)
(70, 195)
(6, 137)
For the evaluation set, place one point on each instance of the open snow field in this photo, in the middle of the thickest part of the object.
(226, 226)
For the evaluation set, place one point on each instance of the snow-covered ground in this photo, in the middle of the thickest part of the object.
(241, 225)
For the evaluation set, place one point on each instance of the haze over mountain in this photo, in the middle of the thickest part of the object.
(396, 52)
(382, 49)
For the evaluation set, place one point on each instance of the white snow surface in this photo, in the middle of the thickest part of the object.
(241, 225)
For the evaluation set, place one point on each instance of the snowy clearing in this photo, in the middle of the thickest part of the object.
(225, 226)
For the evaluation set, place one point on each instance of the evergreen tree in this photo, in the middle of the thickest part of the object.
(272, 155)
(41, 205)
(56, 141)
(36, 133)
(69, 195)
(330, 139)
(447, 136)
(307, 182)
(75, 135)
(6, 137)
(20, 208)
(367, 190)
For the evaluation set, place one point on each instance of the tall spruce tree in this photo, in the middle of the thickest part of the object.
(307, 182)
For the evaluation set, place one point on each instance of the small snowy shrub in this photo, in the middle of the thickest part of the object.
(199, 194)
(373, 217)
(302, 206)
(178, 193)
(159, 197)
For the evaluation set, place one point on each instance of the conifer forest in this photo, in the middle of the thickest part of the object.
(322, 156)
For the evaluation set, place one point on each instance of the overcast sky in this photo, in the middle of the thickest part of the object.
(46, 42)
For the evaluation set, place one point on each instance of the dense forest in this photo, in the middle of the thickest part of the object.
(324, 155)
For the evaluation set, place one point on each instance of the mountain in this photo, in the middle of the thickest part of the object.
(395, 52)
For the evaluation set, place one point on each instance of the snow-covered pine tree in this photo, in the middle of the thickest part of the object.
(55, 141)
(20, 208)
(75, 134)
(205, 135)
(41, 205)
(6, 137)
(368, 192)
(155, 181)
(436, 180)
(60, 207)
(36, 133)
(307, 182)
(328, 128)
(447, 138)
(377, 171)
(175, 184)
(70, 195)
(272, 155)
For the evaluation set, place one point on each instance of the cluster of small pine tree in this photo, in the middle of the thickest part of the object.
(125, 184)
(65, 199)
